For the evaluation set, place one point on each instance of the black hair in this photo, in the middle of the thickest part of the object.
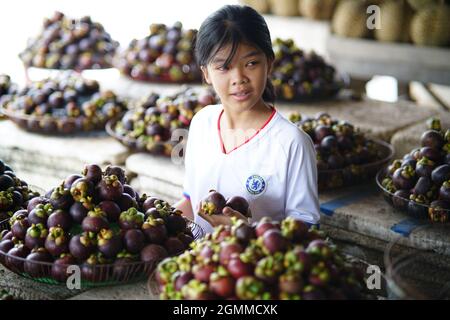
(232, 25)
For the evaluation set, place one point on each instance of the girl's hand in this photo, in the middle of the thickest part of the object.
(225, 218)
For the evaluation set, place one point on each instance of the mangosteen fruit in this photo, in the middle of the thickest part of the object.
(126, 266)
(155, 230)
(441, 174)
(110, 188)
(174, 246)
(125, 202)
(175, 222)
(153, 253)
(133, 240)
(424, 167)
(116, 171)
(269, 268)
(273, 241)
(432, 139)
(16, 256)
(59, 270)
(417, 206)
(250, 288)
(95, 268)
(78, 212)
(243, 232)
(68, 182)
(60, 218)
(109, 243)
(82, 245)
(182, 278)
(239, 204)
(95, 221)
(400, 199)
(227, 249)
(264, 225)
(40, 214)
(82, 190)
(93, 173)
(37, 263)
(404, 178)
(439, 211)
(19, 227)
(203, 271)
(111, 209)
(213, 203)
(36, 201)
(131, 219)
(431, 153)
(444, 191)
(36, 235)
(61, 198)
(239, 268)
(293, 229)
(222, 285)
(57, 241)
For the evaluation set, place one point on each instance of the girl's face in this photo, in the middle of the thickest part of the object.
(241, 84)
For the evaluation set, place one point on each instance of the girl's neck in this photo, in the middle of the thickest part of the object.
(251, 118)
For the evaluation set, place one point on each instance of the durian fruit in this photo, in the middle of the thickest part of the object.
(350, 19)
(421, 4)
(284, 7)
(262, 6)
(395, 17)
(317, 9)
(431, 26)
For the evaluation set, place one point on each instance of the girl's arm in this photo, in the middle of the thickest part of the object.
(186, 207)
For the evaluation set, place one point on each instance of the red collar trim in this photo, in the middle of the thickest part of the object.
(222, 146)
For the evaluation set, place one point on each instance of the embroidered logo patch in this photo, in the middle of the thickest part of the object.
(255, 184)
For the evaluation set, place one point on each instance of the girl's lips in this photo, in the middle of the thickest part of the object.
(241, 96)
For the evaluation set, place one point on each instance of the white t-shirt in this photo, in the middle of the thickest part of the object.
(275, 170)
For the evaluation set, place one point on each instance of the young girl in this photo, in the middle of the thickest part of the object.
(244, 146)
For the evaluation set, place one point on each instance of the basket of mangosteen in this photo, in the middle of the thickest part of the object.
(262, 261)
(70, 44)
(150, 126)
(63, 105)
(97, 223)
(166, 55)
(301, 77)
(345, 156)
(419, 184)
(14, 193)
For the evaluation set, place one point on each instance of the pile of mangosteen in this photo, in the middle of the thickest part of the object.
(66, 43)
(419, 184)
(298, 76)
(149, 126)
(14, 192)
(97, 221)
(166, 55)
(64, 104)
(345, 156)
(7, 87)
(265, 260)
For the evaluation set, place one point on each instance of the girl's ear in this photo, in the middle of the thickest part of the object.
(205, 74)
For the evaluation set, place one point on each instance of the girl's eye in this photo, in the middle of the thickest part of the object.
(222, 68)
(252, 63)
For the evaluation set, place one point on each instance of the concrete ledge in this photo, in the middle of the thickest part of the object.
(363, 58)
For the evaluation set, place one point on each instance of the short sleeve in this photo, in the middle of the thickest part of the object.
(302, 200)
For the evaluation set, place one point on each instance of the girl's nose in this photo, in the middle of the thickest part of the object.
(239, 77)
